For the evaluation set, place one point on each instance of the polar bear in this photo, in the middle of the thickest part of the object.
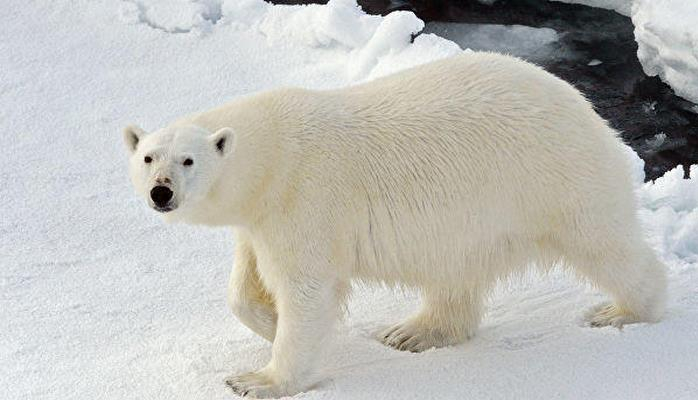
(445, 177)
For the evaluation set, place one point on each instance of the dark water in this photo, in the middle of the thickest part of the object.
(661, 127)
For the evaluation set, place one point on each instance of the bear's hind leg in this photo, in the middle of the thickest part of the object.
(632, 276)
(447, 317)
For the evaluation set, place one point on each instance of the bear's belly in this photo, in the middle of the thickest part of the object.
(446, 250)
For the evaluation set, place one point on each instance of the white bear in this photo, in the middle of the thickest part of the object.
(445, 177)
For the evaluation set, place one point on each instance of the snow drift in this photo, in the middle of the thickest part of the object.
(667, 35)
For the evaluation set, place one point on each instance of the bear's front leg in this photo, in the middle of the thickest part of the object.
(249, 299)
(307, 305)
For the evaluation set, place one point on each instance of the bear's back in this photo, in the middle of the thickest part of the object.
(479, 122)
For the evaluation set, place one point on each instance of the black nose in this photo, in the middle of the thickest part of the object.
(161, 195)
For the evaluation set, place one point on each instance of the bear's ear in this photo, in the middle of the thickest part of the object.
(133, 135)
(223, 141)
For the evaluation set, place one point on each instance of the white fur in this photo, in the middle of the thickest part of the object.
(445, 177)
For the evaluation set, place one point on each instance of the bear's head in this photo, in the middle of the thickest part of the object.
(176, 167)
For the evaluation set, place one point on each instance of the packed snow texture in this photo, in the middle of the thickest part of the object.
(101, 300)
(667, 35)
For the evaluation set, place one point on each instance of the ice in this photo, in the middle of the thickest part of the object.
(523, 41)
(620, 6)
(100, 300)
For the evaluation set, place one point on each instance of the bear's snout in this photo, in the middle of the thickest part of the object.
(161, 196)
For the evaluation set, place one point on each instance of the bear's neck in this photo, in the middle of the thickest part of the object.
(253, 176)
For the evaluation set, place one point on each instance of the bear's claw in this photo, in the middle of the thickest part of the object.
(412, 336)
(257, 385)
(609, 315)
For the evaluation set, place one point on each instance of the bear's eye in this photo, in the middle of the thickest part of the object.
(148, 159)
(188, 162)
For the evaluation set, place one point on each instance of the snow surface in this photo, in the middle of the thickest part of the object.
(101, 300)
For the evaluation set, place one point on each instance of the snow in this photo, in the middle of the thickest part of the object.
(177, 16)
(667, 36)
(375, 45)
(101, 300)
(671, 210)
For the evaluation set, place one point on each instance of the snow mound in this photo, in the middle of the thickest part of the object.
(669, 210)
(392, 36)
(243, 13)
(637, 166)
(424, 47)
(667, 36)
(372, 45)
(173, 16)
(340, 22)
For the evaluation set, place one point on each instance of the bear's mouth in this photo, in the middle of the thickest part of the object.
(164, 209)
